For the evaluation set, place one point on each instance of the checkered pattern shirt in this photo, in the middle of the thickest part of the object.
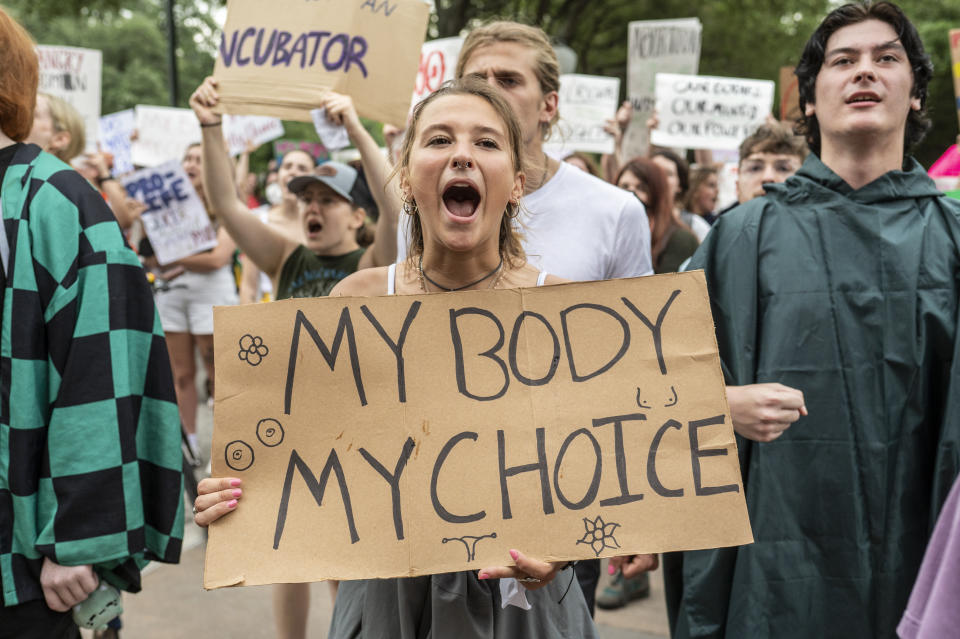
(90, 458)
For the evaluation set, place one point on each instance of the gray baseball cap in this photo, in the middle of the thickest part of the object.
(339, 177)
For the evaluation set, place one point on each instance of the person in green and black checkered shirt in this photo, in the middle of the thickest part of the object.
(90, 459)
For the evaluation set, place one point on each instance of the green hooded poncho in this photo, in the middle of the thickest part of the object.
(850, 296)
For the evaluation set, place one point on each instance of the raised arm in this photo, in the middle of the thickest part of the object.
(267, 247)
(377, 169)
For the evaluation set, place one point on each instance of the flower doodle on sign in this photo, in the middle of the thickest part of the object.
(599, 535)
(252, 349)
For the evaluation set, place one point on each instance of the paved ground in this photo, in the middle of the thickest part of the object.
(173, 603)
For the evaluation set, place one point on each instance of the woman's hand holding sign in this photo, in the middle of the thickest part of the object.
(216, 497)
(532, 573)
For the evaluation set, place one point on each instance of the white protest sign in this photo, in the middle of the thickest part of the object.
(163, 134)
(175, 220)
(586, 103)
(707, 112)
(243, 130)
(74, 75)
(438, 64)
(333, 136)
(665, 46)
(116, 130)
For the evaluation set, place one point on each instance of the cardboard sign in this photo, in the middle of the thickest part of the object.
(418, 434)
(277, 58)
(789, 95)
(707, 112)
(243, 130)
(74, 75)
(116, 131)
(955, 58)
(438, 64)
(665, 46)
(163, 134)
(586, 103)
(175, 221)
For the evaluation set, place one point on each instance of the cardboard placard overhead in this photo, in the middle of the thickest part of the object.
(176, 220)
(74, 75)
(707, 112)
(664, 46)
(243, 131)
(418, 434)
(955, 58)
(278, 58)
(438, 64)
(586, 103)
(163, 134)
(116, 138)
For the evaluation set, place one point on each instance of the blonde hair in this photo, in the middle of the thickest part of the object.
(546, 67)
(510, 248)
(66, 118)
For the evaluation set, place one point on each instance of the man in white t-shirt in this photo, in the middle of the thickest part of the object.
(575, 226)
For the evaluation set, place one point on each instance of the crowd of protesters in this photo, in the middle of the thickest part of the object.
(832, 281)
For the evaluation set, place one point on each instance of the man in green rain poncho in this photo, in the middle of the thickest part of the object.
(842, 283)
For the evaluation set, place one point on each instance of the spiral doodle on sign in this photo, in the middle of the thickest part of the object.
(269, 432)
(238, 455)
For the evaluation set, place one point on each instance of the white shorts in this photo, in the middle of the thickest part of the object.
(187, 306)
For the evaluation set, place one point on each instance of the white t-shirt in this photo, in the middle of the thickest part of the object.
(579, 227)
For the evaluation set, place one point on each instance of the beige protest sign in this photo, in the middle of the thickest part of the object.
(278, 58)
(789, 95)
(410, 435)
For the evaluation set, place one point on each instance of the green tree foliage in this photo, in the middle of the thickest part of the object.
(133, 40)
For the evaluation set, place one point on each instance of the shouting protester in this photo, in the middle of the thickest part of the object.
(462, 175)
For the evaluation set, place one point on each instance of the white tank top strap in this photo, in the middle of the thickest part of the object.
(541, 278)
(391, 279)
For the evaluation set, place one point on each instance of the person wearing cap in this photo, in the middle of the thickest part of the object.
(329, 213)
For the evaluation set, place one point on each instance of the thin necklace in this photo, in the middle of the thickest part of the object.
(458, 288)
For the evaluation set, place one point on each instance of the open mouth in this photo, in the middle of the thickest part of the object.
(871, 98)
(461, 199)
(314, 227)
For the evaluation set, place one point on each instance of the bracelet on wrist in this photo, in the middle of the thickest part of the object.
(101, 180)
(209, 124)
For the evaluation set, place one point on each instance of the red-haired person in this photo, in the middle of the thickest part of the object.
(90, 460)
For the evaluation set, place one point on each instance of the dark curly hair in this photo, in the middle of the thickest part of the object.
(812, 59)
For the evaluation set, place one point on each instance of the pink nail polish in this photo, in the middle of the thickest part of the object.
(483, 575)
(514, 554)
(611, 570)
(234, 482)
(232, 503)
(237, 492)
